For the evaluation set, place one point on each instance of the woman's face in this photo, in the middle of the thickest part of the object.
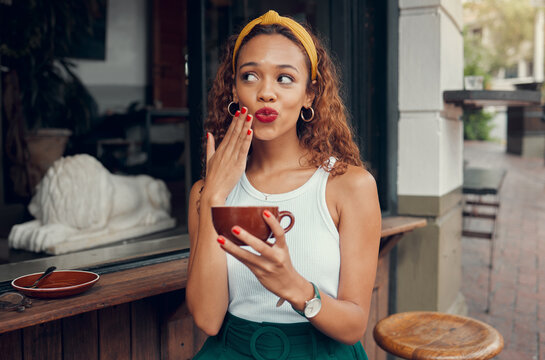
(271, 81)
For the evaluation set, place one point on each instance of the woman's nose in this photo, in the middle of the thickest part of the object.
(266, 92)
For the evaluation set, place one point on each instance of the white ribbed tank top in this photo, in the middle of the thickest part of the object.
(313, 244)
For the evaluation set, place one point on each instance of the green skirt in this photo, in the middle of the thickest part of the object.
(239, 339)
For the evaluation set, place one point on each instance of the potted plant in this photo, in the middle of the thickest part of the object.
(44, 101)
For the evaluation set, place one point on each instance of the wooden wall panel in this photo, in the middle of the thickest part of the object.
(199, 337)
(114, 332)
(145, 329)
(378, 309)
(43, 341)
(368, 342)
(180, 338)
(177, 335)
(80, 337)
(11, 345)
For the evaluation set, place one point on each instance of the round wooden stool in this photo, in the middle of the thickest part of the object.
(434, 335)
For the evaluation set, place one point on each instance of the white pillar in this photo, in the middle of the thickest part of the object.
(522, 67)
(430, 153)
(539, 24)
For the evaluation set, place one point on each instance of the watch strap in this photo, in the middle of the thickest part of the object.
(316, 296)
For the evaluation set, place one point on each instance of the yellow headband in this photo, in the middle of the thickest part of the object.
(272, 17)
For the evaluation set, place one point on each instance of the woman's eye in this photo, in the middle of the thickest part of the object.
(249, 77)
(284, 79)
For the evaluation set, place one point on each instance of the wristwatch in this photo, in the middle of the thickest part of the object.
(312, 306)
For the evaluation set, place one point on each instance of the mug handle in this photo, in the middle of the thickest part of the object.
(283, 214)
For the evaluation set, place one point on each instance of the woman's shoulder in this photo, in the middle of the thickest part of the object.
(353, 182)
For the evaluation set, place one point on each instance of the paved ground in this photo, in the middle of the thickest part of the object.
(517, 297)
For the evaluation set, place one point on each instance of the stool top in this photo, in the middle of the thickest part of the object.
(482, 181)
(435, 335)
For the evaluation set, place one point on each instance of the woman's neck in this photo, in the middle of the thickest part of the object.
(277, 155)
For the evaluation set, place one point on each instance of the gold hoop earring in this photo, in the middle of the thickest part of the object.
(232, 113)
(303, 115)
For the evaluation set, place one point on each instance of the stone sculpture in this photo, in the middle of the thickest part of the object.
(79, 204)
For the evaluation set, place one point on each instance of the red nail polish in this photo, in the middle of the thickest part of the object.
(221, 241)
(249, 117)
(207, 135)
(244, 110)
(236, 230)
(249, 132)
(237, 113)
(267, 213)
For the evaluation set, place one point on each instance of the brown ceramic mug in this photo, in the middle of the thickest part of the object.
(250, 218)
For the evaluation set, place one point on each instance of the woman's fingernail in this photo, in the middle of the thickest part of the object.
(249, 117)
(236, 230)
(207, 135)
(267, 213)
(221, 241)
(237, 113)
(244, 110)
(249, 132)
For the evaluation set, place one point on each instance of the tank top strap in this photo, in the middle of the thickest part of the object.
(330, 163)
(324, 170)
(320, 190)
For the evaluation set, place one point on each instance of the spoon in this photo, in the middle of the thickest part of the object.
(44, 275)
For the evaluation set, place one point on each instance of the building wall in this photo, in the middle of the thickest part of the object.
(499, 123)
(122, 77)
(430, 150)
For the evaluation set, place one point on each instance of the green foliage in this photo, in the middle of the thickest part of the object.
(476, 59)
(477, 125)
(506, 36)
(35, 41)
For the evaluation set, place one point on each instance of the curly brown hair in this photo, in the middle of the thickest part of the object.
(328, 134)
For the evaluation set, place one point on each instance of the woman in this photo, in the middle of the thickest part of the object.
(287, 145)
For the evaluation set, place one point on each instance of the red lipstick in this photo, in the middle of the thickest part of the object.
(266, 115)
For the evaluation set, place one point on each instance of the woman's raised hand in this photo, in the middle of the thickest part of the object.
(226, 164)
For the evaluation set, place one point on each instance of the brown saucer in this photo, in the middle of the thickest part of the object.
(58, 284)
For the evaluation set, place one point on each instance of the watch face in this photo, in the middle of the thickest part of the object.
(313, 307)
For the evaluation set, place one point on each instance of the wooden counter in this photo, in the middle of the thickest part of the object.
(111, 289)
(140, 313)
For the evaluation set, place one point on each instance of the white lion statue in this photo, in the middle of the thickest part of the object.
(79, 204)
